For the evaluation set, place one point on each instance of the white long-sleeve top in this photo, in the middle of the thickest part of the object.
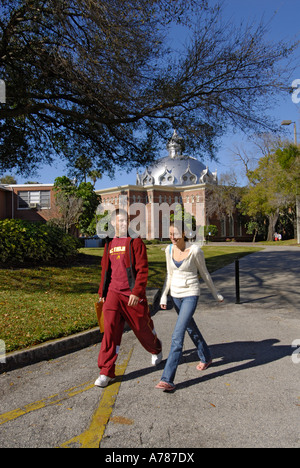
(183, 281)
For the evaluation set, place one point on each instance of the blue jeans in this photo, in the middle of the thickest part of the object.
(185, 309)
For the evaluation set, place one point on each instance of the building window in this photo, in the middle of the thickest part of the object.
(223, 227)
(45, 199)
(240, 228)
(231, 226)
(38, 199)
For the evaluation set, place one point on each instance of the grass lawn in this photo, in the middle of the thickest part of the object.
(290, 242)
(44, 303)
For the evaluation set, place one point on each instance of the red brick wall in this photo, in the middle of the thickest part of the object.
(35, 215)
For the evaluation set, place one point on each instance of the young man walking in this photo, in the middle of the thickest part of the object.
(123, 289)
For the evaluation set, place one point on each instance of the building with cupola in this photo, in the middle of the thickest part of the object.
(171, 180)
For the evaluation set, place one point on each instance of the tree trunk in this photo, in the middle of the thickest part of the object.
(273, 218)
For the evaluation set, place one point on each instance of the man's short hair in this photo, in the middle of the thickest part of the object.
(117, 212)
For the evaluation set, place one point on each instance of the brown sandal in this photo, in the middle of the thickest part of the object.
(203, 366)
(166, 387)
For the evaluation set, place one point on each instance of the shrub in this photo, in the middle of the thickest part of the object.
(210, 231)
(21, 241)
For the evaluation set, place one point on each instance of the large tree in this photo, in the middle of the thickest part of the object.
(77, 204)
(288, 156)
(269, 191)
(222, 199)
(97, 78)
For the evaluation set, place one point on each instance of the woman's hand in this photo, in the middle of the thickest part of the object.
(163, 306)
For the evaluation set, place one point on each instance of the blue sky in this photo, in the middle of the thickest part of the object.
(285, 25)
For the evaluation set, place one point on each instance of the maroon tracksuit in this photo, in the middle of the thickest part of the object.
(124, 272)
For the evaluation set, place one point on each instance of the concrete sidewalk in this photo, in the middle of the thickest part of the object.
(249, 397)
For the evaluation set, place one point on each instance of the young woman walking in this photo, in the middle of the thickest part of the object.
(183, 264)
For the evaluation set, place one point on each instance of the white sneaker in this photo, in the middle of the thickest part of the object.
(156, 359)
(102, 381)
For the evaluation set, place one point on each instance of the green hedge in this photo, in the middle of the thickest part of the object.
(22, 242)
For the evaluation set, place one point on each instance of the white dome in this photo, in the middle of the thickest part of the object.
(176, 169)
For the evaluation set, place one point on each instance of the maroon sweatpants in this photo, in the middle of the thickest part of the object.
(116, 313)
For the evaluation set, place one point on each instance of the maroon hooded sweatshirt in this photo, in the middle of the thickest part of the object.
(136, 267)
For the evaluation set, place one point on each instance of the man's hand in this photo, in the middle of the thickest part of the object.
(133, 300)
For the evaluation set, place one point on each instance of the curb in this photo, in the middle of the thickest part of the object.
(57, 348)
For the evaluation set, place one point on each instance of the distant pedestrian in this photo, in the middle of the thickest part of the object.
(184, 261)
(123, 289)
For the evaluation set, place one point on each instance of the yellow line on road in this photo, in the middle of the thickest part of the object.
(49, 401)
(92, 437)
